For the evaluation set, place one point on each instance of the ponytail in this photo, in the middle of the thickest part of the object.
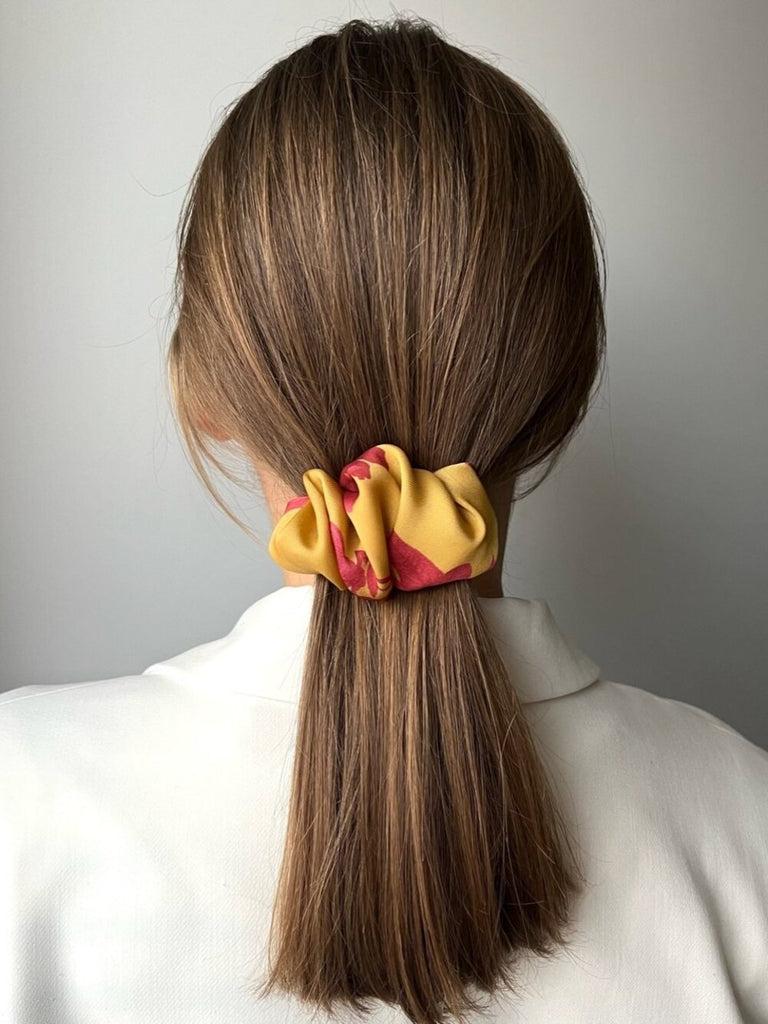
(423, 848)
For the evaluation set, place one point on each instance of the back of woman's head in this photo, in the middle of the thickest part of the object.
(387, 241)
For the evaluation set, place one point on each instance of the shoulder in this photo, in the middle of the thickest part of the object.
(684, 734)
(70, 750)
(645, 727)
(642, 757)
(47, 729)
(13, 702)
(120, 726)
(663, 767)
(714, 773)
(670, 808)
(36, 704)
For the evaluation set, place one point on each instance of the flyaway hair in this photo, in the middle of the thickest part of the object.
(386, 239)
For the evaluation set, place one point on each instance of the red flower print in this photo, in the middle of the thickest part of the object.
(358, 574)
(298, 502)
(359, 469)
(413, 570)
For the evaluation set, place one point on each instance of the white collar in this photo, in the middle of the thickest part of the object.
(263, 654)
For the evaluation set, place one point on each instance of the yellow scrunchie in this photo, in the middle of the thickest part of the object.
(386, 525)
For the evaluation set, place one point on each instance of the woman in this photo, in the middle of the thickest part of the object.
(390, 788)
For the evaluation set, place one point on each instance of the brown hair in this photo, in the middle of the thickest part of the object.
(387, 240)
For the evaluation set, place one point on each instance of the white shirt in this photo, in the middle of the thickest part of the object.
(142, 819)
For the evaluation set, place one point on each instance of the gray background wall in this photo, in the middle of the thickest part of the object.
(649, 542)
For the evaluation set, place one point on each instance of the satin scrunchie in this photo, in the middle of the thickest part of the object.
(385, 525)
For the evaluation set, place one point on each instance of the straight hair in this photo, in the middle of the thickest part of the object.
(387, 239)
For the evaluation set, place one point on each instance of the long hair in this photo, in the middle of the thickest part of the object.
(386, 239)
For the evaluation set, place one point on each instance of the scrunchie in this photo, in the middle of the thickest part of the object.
(385, 525)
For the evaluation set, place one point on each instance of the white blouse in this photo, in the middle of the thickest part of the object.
(142, 818)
